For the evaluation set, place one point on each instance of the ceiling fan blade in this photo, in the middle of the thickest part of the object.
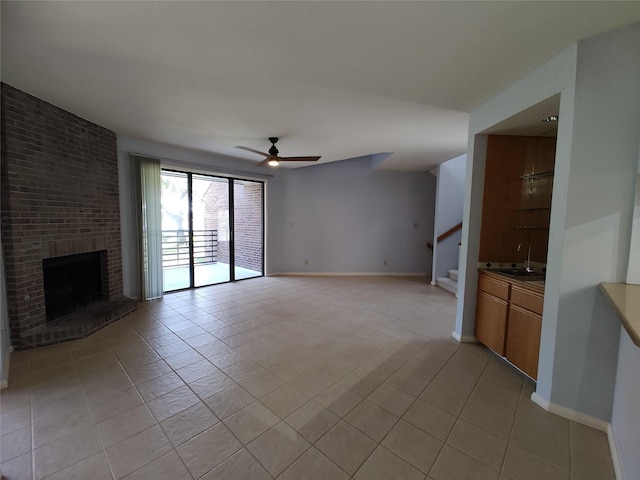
(254, 151)
(300, 159)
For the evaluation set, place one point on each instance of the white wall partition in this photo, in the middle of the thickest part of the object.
(449, 210)
(597, 229)
(589, 239)
(555, 76)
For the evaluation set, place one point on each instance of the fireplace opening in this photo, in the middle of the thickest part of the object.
(71, 282)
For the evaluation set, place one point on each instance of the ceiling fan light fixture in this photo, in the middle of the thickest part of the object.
(550, 118)
(273, 158)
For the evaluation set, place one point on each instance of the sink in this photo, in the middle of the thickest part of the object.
(520, 274)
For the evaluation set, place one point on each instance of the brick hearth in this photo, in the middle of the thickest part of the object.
(59, 197)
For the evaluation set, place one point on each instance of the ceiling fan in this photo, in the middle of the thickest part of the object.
(273, 159)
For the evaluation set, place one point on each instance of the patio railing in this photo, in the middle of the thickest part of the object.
(175, 247)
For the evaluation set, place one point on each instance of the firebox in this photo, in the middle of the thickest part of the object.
(72, 282)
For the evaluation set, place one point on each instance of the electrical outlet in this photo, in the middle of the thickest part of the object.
(306, 262)
(384, 263)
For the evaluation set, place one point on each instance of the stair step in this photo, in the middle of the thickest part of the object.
(453, 275)
(447, 284)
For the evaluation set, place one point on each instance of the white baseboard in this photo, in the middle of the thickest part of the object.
(587, 420)
(570, 414)
(615, 456)
(464, 338)
(346, 274)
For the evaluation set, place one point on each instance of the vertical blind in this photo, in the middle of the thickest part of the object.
(148, 187)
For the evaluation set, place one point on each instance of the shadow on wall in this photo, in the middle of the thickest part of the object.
(590, 330)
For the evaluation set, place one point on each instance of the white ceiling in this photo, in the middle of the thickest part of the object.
(337, 79)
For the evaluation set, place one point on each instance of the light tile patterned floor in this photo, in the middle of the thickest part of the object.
(287, 378)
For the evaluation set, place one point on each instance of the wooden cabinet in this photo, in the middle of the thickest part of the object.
(491, 321)
(509, 319)
(492, 308)
(523, 329)
(523, 339)
(494, 286)
(516, 204)
(527, 299)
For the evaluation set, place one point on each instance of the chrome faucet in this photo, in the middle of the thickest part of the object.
(527, 265)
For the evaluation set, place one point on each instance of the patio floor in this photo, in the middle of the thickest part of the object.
(176, 278)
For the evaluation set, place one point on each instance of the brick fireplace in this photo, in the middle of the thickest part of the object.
(59, 198)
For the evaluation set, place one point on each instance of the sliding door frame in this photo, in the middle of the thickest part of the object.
(192, 266)
(263, 233)
(232, 215)
(232, 232)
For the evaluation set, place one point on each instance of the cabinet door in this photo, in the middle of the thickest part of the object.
(523, 340)
(491, 321)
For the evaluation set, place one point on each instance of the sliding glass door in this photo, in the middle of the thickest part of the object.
(176, 256)
(248, 229)
(212, 229)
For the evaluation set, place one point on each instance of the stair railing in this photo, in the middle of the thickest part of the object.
(446, 235)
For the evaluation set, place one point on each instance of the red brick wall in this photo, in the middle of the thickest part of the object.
(215, 200)
(59, 197)
(248, 224)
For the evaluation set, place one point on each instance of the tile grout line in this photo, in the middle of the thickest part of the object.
(400, 418)
(444, 443)
(158, 423)
(173, 448)
(220, 421)
(511, 427)
(141, 328)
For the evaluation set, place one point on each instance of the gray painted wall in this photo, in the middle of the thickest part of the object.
(625, 422)
(596, 161)
(449, 209)
(345, 217)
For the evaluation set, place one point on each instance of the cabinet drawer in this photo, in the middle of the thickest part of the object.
(526, 299)
(491, 321)
(493, 286)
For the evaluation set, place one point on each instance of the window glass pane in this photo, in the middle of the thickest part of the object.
(175, 231)
(248, 228)
(211, 233)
